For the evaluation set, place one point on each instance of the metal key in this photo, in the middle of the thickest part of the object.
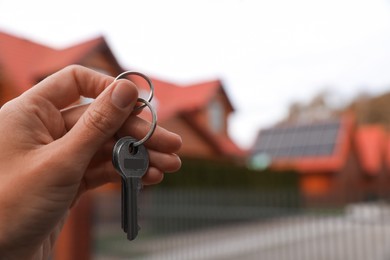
(131, 162)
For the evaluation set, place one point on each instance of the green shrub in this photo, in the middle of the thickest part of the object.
(211, 174)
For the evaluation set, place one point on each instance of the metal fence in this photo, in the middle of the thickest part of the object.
(242, 224)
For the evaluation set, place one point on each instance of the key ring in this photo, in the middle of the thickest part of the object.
(152, 127)
(150, 83)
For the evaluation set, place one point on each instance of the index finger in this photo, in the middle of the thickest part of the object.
(161, 140)
(67, 85)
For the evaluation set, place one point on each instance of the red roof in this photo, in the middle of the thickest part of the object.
(18, 57)
(179, 99)
(370, 147)
(53, 62)
(229, 147)
(27, 62)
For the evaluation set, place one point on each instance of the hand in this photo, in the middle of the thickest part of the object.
(50, 155)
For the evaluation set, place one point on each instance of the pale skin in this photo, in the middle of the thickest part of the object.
(51, 154)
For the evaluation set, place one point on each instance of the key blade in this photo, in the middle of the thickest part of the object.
(133, 188)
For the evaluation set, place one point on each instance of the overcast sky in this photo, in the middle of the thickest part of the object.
(268, 53)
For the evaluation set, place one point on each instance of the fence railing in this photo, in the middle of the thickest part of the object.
(243, 224)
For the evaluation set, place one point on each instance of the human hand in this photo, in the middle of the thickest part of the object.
(50, 155)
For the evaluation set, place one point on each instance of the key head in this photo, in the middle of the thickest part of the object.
(128, 160)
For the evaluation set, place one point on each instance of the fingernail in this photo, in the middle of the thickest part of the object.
(123, 95)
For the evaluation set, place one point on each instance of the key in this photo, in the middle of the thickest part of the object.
(131, 162)
(123, 206)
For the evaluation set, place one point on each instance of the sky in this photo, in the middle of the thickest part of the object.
(268, 54)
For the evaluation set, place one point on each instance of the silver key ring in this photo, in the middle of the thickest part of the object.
(150, 83)
(153, 125)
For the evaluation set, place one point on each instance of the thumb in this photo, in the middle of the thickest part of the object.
(104, 116)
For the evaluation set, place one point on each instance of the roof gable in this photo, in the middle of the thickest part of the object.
(26, 62)
(52, 62)
(178, 99)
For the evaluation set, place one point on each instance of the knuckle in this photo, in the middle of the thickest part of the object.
(8, 106)
(98, 120)
(73, 67)
(27, 107)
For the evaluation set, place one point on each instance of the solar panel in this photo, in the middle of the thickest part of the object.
(317, 139)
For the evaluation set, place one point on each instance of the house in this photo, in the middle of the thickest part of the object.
(197, 112)
(338, 161)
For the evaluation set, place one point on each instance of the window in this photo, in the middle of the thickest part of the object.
(216, 116)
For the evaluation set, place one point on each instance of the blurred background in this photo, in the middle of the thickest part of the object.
(283, 108)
